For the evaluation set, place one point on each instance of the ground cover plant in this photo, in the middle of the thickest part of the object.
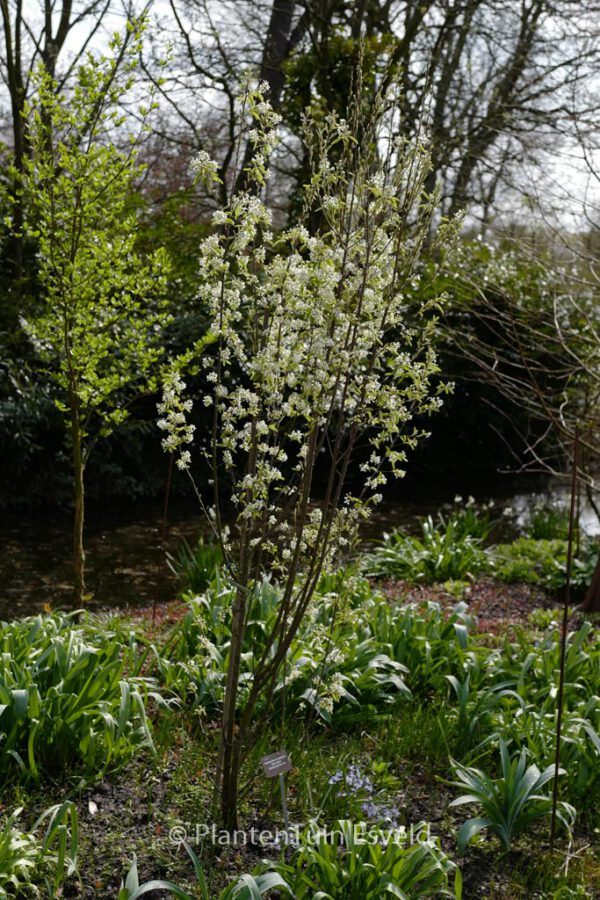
(543, 561)
(382, 705)
(445, 551)
(69, 697)
(460, 545)
(41, 855)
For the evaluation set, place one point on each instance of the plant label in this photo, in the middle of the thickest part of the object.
(276, 764)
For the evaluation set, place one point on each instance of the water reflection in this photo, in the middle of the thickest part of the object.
(126, 563)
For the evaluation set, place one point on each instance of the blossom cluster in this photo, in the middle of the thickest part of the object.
(319, 341)
(174, 409)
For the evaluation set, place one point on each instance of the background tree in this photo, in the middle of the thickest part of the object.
(502, 81)
(104, 308)
(37, 35)
(527, 317)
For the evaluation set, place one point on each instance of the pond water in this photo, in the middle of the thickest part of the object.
(126, 558)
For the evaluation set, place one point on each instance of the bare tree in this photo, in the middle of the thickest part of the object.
(530, 328)
(501, 80)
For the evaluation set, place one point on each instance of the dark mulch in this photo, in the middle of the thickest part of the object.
(495, 607)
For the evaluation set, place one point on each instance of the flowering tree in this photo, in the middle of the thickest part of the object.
(103, 309)
(319, 342)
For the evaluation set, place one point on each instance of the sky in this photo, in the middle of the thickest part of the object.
(560, 190)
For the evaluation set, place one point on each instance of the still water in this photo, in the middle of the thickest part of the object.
(126, 557)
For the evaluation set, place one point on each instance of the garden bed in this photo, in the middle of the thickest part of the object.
(397, 757)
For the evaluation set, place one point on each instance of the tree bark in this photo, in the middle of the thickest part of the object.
(591, 602)
(229, 756)
(79, 497)
(280, 41)
(16, 90)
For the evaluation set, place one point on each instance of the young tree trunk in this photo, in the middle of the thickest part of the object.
(78, 485)
(229, 755)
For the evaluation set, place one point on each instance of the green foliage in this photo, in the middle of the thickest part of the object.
(510, 802)
(196, 567)
(27, 859)
(542, 562)
(526, 679)
(470, 519)
(467, 698)
(476, 709)
(444, 552)
(548, 523)
(247, 887)
(356, 863)
(318, 676)
(354, 659)
(19, 856)
(69, 695)
(98, 331)
(131, 888)
(351, 862)
(428, 643)
(60, 844)
(104, 305)
(358, 657)
(30, 432)
(253, 887)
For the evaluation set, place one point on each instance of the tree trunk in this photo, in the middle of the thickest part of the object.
(281, 39)
(591, 602)
(79, 496)
(229, 750)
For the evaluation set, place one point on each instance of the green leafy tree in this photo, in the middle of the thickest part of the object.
(100, 327)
